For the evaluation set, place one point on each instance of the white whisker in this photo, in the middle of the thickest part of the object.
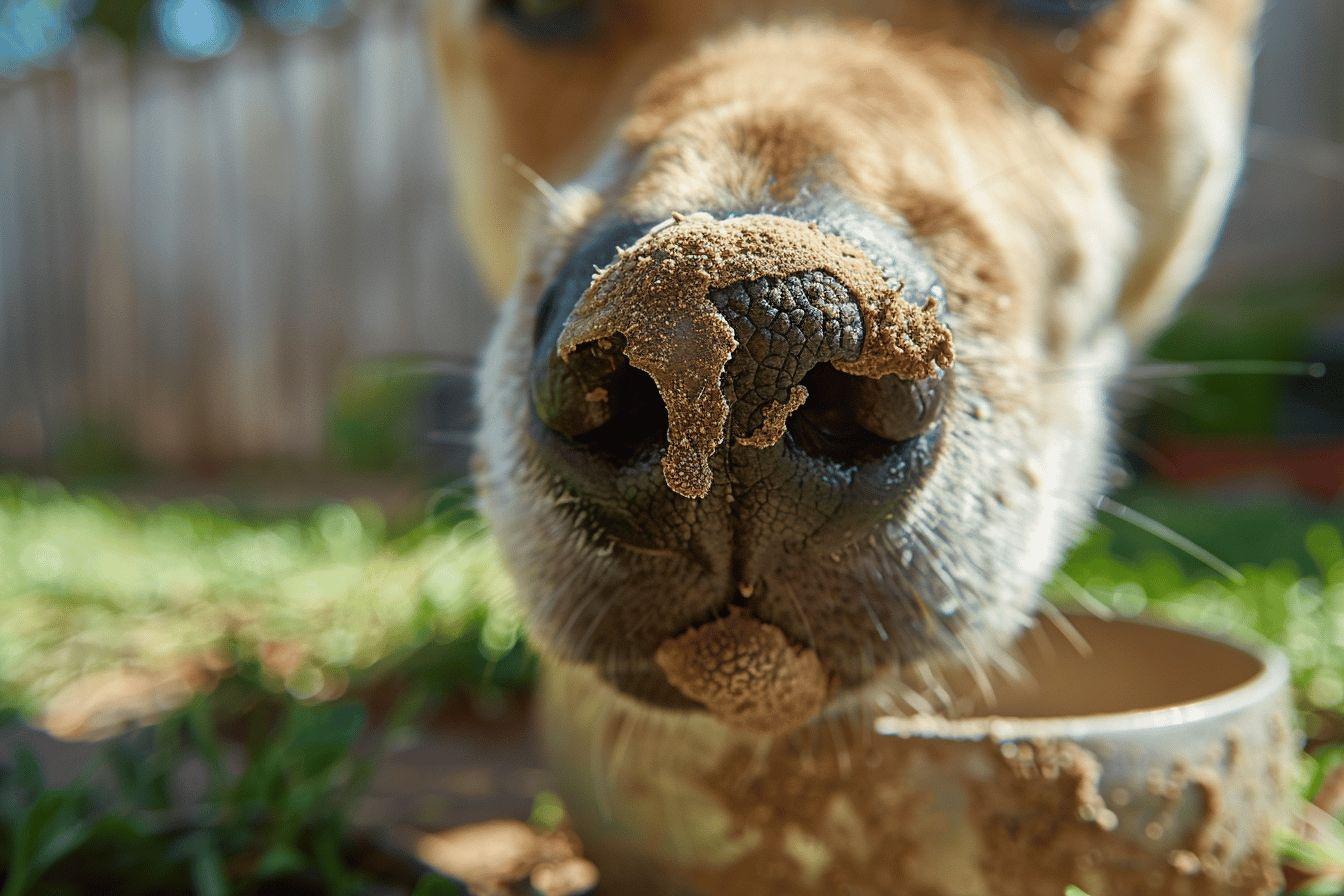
(1066, 628)
(1084, 598)
(1167, 370)
(544, 188)
(1169, 535)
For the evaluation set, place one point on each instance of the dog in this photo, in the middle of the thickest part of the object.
(801, 385)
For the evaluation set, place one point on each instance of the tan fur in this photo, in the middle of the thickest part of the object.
(1065, 185)
(1156, 89)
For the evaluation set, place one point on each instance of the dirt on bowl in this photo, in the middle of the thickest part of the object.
(1152, 760)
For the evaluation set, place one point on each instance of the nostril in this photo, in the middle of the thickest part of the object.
(854, 419)
(900, 410)
(599, 406)
(637, 424)
(599, 401)
(575, 396)
(678, 339)
(826, 426)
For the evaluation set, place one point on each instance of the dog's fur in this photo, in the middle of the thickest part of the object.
(1065, 181)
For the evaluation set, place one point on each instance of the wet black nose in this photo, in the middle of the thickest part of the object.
(801, 438)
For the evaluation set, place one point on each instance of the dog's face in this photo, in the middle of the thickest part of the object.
(859, 395)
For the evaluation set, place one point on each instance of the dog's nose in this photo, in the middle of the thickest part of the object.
(754, 336)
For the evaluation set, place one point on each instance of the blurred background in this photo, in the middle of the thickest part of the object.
(247, 609)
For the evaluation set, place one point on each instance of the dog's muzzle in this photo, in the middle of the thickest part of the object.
(758, 360)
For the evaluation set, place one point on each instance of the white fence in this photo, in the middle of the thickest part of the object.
(190, 251)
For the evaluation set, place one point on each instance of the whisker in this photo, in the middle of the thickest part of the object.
(587, 640)
(912, 698)
(1041, 639)
(544, 188)
(974, 664)
(1160, 370)
(661, 553)
(872, 616)
(1084, 598)
(1246, 367)
(440, 366)
(1170, 536)
(1066, 628)
(792, 595)
(935, 687)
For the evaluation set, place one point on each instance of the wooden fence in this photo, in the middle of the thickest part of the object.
(189, 252)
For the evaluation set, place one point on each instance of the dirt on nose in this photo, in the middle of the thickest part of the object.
(656, 294)
(746, 673)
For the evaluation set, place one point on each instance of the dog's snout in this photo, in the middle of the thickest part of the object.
(754, 352)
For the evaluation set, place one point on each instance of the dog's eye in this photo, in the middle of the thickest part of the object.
(546, 21)
(1054, 12)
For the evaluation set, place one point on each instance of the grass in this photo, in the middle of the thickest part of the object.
(272, 817)
(296, 617)
(93, 585)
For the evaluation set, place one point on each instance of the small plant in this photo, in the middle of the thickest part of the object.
(296, 612)
(273, 817)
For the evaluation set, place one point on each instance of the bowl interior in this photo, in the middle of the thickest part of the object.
(1105, 667)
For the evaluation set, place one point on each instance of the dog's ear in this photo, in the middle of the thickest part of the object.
(1161, 85)
(533, 87)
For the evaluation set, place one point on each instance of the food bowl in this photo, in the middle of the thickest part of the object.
(1125, 757)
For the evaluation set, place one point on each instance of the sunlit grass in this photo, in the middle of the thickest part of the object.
(92, 585)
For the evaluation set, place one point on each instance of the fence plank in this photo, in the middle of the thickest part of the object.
(190, 252)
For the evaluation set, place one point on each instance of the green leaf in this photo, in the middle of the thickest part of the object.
(280, 861)
(49, 830)
(207, 871)
(437, 885)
